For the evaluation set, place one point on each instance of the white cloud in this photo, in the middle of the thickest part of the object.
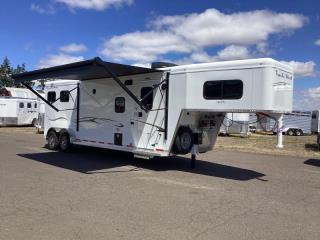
(193, 33)
(234, 53)
(95, 4)
(231, 52)
(317, 42)
(144, 46)
(74, 48)
(302, 69)
(58, 59)
(48, 10)
(213, 27)
(308, 99)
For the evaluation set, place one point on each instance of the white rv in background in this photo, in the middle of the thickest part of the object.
(315, 121)
(296, 123)
(160, 111)
(18, 107)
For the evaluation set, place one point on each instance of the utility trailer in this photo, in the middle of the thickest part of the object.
(158, 111)
(18, 107)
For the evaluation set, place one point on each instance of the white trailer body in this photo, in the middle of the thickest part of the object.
(18, 107)
(184, 112)
(315, 121)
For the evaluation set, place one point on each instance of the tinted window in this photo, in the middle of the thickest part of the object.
(147, 96)
(212, 90)
(51, 97)
(21, 105)
(64, 96)
(314, 116)
(227, 89)
(232, 89)
(120, 103)
(28, 105)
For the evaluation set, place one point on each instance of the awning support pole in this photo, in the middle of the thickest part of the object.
(78, 106)
(123, 86)
(39, 96)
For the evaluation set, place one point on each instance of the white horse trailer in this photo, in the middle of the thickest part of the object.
(159, 111)
(18, 107)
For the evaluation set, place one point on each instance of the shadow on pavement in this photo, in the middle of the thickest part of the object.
(96, 161)
(312, 147)
(313, 162)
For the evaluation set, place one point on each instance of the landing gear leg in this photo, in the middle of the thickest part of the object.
(193, 156)
(193, 161)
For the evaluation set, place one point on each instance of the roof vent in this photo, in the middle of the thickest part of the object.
(156, 65)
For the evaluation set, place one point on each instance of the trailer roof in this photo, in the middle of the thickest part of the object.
(85, 70)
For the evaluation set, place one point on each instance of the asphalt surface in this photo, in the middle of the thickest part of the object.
(97, 194)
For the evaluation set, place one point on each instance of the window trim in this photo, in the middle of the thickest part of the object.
(149, 106)
(55, 96)
(117, 107)
(221, 90)
(67, 94)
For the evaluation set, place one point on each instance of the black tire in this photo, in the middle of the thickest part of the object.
(184, 141)
(64, 142)
(298, 132)
(34, 122)
(290, 132)
(52, 140)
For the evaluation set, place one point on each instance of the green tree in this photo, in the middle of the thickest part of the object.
(6, 71)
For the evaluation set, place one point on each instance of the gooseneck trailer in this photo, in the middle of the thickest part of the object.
(158, 111)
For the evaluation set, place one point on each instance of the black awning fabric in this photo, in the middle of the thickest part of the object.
(85, 70)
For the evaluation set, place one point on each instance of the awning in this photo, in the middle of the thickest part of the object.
(85, 70)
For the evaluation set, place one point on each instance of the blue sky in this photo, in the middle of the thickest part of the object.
(49, 32)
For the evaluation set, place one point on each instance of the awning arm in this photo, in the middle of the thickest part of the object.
(39, 96)
(122, 85)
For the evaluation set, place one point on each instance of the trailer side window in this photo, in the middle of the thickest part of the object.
(21, 105)
(147, 96)
(227, 89)
(120, 105)
(28, 105)
(35, 105)
(51, 97)
(64, 96)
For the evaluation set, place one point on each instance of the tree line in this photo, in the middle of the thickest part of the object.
(6, 70)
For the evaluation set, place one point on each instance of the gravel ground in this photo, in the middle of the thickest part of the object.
(96, 194)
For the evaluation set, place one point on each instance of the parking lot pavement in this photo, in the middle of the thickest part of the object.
(96, 194)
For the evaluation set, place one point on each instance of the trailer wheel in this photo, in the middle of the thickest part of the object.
(34, 122)
(298, 132)
(184, 141)
(52, 139)
(290, 132)
(64, 142)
